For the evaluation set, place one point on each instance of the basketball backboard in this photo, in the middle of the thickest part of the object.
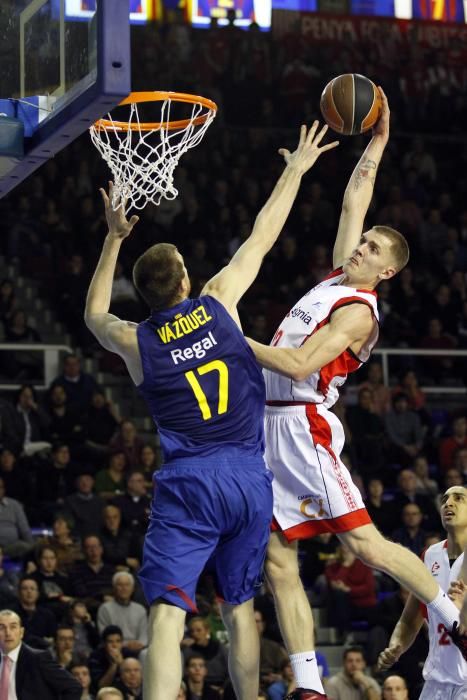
(59, 73)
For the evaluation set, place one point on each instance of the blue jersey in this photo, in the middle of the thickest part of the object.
(203, 386)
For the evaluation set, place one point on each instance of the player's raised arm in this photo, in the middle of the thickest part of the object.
(359, 190)
(229, 285)
(404, 634)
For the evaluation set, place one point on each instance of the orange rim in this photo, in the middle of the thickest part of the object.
(158, 96)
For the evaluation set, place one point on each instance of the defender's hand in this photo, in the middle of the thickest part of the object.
(117, 222)
(381, 128)
(308, 149)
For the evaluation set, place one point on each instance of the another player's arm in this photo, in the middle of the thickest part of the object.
(349, 326)
(359, 190)
(404, 634)
(229, 285)
(112, 333)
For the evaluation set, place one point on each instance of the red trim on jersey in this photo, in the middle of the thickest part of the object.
(186, 599)
(311, 528)
(334, 273)
(345, 301)
(322, 435)
(288, 403)
(343, 365)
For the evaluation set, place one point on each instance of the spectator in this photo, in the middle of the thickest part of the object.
(130, 617)
(395, 688)
(38, 622)
(64, 647)
(54, 587)
(124, 300)
(407, 482)
(131, 679)
(15, 478)
(149, 462)
(84, 505)
(411, 534)
(21, 365)
(195, 677)
(109, 694)
(271, 656)
(28, 424)
(79, 386)
(367, 430)
(101, 421)
(128, 441)
(65, 424)
(456, 441)
(55, 481)
(404, 430)
(352, 590)
(318, 552)
(352, 682)
(200, 643)
(104, 662)
(380, 511)
(119, 544)
(15, 534)
(92, 578)
(134, 504)
(380, 394)
(425, 486)
(8, 584)
(82, 675)
(416, 398)
(438, 368)
(86, 634)
(67, 549)
(110, 482)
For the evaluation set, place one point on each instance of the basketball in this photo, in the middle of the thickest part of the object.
(350, 104)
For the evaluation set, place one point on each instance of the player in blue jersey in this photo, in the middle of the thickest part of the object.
(191, 363)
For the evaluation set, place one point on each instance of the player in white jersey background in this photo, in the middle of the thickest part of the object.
(445, 670)
(328, 334)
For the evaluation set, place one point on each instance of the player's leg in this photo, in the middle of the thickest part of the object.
(163, 665)
(243, 648)
(293, 610)
(369, 545)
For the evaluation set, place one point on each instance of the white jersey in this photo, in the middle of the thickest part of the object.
(444, 663)
(309, 314)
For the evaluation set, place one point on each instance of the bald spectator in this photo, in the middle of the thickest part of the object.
(395, 688)
(131, 679)
(109, 694)
(92, 578)
(79, 386)
(449, 445)
(120, 545)
(15, 534)
(407, 483)
(131, 617)
(84, 505)
(411, 534)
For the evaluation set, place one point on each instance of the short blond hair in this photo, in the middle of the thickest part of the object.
(109, 694)
(399, 249)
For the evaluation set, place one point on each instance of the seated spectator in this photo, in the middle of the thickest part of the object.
(120, 545)
(104, 662)
(438, 368)
(65, 423)
(411, 534)
(134, 504)
(66, 547)
(92, 578)
(38, 622)
(55, 479)
(380, 511)
(131, 679)
(127, 440)
(84, 505)
(149, 463)
(130, 617)
(200, 643)
(81, 672)
(8, 585)
(54, 587)
(110, 482)
(380, 394)
(27, 423)
(100, 423)
(271, 655)
(353, 681)
(15, 534)
(407, 483)
(63, 650)
(352, 590)
(79, 386)
(416, 398)
(109, 694)
(395, 688)
(16, 479)
(196, 679)
(264, 602)
(449, 445)
(21, 365)
(86, 634)
(425, 486)
(460, 461)
(404, 430)
(367, 430)
(279, 689)
(318, 552)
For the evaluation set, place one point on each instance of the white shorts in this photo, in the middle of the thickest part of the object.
(433, 690)
(313, 490)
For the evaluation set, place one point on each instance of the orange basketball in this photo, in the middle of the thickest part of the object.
(351, 104)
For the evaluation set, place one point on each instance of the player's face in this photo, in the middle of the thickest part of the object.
(454, 508)
(371, 260)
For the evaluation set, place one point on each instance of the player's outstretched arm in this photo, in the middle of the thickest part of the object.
(349, 325)
(404, 634)
(229, 285)
(359, 190)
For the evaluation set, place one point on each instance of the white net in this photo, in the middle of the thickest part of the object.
(142, 160)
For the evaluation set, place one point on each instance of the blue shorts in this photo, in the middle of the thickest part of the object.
(213, 513)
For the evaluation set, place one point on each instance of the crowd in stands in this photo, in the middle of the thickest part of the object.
(75, 477)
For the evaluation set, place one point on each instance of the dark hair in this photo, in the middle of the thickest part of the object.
(195, 655)
(109, 630)
(157, 275)
(22, 388)
(354, 650)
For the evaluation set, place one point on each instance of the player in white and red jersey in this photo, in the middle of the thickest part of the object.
(445, 670)
(326, 335)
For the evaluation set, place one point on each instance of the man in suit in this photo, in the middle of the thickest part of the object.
(29, 674)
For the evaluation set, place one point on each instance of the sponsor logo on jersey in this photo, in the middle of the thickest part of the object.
(198, 349)
(303, 315)
(312, 507)
(183, 325)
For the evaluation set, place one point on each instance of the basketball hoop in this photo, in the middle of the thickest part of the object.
(143, 155)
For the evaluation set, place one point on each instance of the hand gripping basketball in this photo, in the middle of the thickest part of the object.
(308, 149)
(117, 222)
